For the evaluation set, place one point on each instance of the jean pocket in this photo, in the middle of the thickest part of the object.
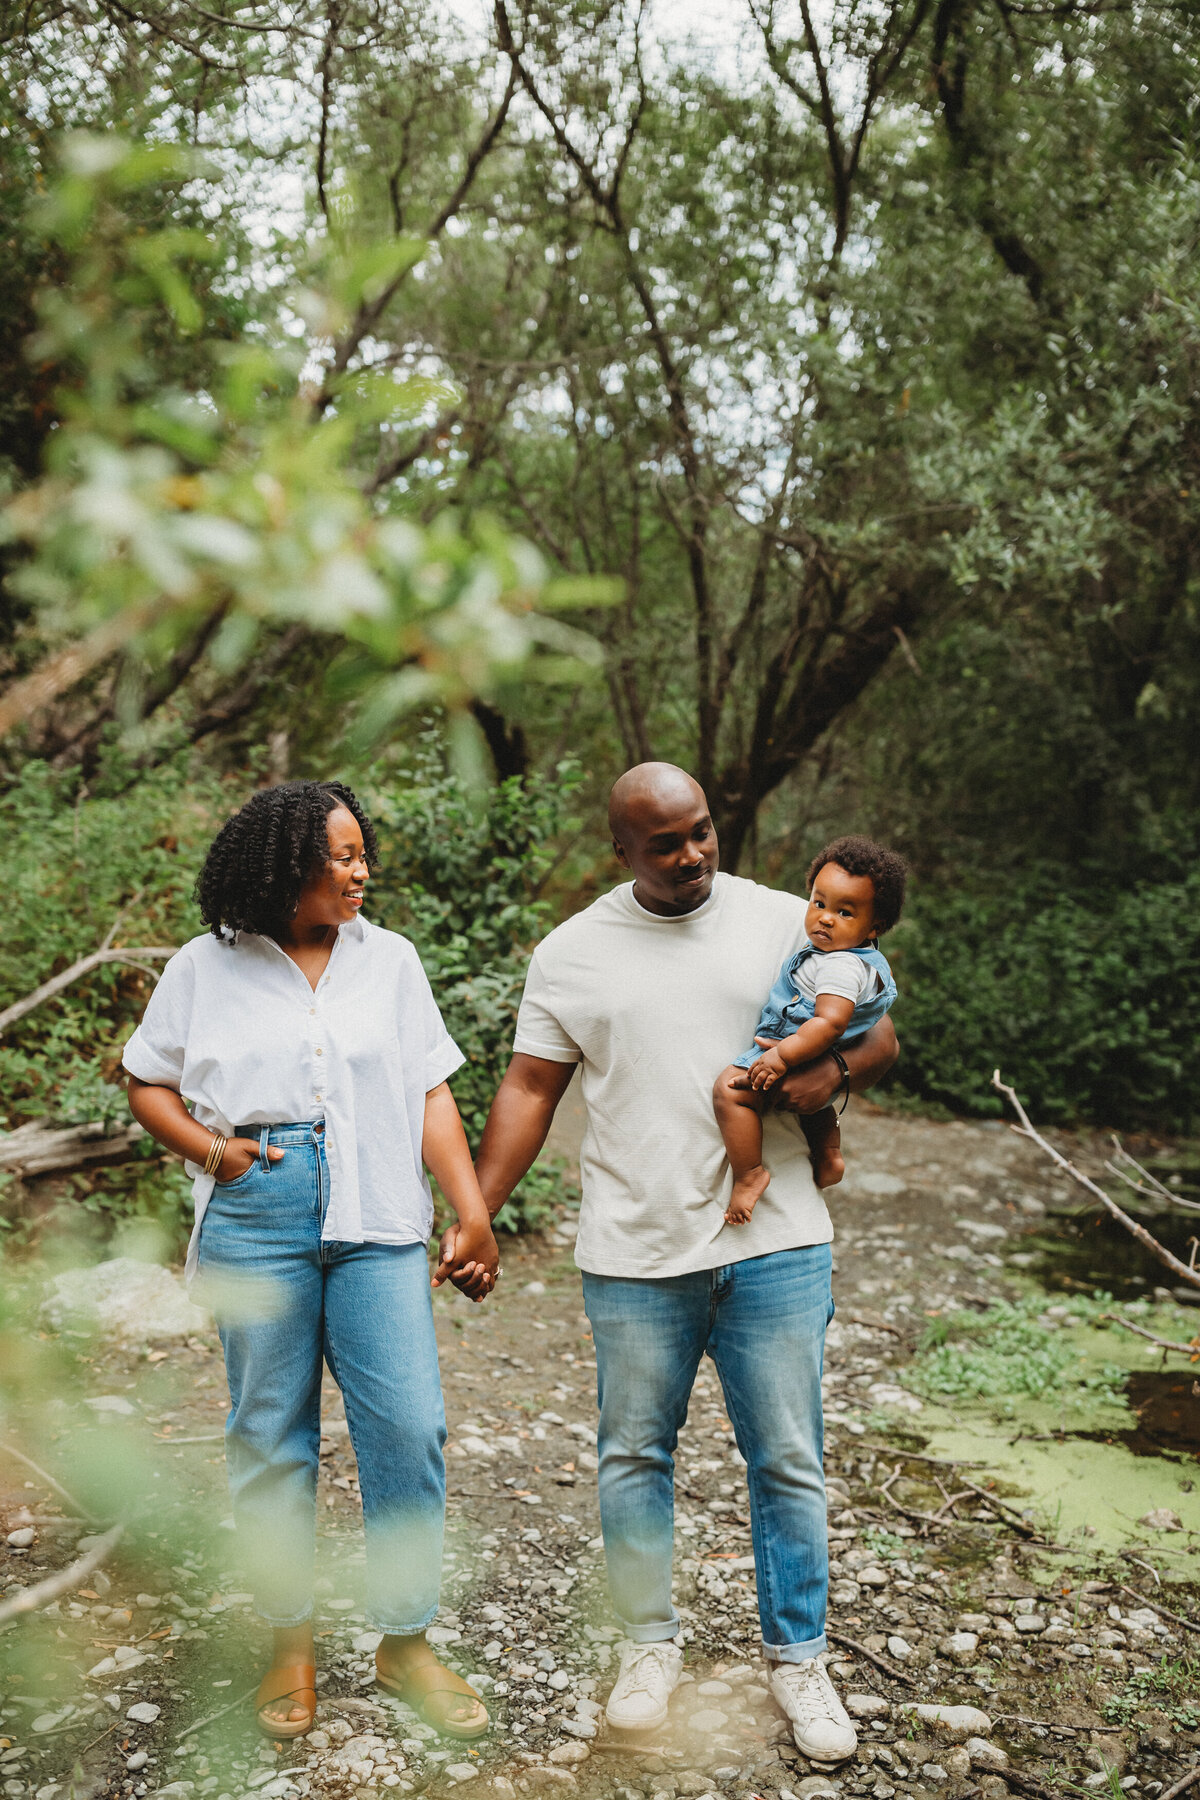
(225, 1187)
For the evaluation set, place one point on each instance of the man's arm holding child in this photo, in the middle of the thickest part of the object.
(812, 1086)
(832, 1014)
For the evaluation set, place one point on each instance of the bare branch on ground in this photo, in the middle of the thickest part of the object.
(1175, 1618)
(84, 1512)
(1192, 1349)
(881, 1662)
(32, 1599)
(1145, 1238)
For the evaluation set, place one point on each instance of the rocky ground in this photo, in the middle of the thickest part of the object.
(978, 1655)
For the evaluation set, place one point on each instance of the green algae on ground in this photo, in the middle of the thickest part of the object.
(1037, 1393)
(1078, 1489)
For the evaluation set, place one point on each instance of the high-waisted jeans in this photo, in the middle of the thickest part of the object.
(763, 1323)
(285, 1302)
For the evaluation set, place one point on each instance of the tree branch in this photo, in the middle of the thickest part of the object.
(369, 313)
(1025, 1129)
(334, 18)
(84, 966)
(32, 1599)
(1192, 1350)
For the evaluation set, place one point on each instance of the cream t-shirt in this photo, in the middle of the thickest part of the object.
(654, 1008)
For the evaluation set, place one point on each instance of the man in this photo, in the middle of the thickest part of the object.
(652, 988)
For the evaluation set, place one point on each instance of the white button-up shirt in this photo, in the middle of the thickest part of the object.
(236, 1029)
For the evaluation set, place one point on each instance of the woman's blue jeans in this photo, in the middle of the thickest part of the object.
(763, 1323)
(285, 1303)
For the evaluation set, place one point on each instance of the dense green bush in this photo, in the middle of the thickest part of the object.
(1089, 1007)
(462, 875)
(74, 866)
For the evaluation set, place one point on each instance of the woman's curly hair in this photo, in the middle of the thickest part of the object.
(863, 856)
(261, 858)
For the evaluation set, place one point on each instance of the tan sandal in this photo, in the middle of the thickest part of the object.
(421, 1685)
(295, 1681)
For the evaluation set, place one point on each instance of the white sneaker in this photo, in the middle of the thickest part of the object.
(649, 1675)
(820, 1724)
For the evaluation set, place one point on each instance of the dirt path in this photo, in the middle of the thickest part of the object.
(1011, 1604)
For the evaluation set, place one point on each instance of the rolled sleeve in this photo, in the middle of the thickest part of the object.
(539, 1031)
(157, 1050)
(442, 1054)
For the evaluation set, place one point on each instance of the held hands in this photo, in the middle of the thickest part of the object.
(469, 1258)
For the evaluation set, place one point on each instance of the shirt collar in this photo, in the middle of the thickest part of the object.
(355, 928)
(673, 918)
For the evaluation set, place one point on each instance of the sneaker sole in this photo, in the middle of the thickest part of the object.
(643, 1725)
(826, 1761)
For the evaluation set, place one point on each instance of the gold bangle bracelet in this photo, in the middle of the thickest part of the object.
(212, 1161)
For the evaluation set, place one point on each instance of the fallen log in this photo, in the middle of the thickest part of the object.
(41, 1148)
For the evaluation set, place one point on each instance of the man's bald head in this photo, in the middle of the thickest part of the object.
(661, 830)
(649, 788)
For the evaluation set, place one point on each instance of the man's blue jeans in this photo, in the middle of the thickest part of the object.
(284, 1303)
(763, 1323)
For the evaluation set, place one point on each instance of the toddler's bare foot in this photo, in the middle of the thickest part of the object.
(829, 1167)
(747, 1190)
(825, 1146)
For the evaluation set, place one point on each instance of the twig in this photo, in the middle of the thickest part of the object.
(1175, 1618)
(881, 1662)
(7, 1449)
(1192, 1349)
(872, 1324)
(118, 921)
(942, 1462)
(32, 1599)
(1130, 1557)
(952, 1501)
(84, 966)
(1029, 1784)
(909, 1512)
(1051, 1724)
(1005, 1511)
(1182, 1785)
(1157, 1188)
(213, 1717)
(1150, 1243)
(107, 1732)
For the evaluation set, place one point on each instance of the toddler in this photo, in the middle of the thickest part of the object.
(834, 988)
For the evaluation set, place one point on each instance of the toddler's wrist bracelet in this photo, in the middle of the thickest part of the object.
(212, 1161)
(844, 1084)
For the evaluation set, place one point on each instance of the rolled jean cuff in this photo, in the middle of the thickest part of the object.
(651, 1634)
(375, 1623)
(795, 1653)
(300, 1618)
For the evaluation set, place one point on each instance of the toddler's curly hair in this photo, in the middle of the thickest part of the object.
(884, 868)
(261, 858)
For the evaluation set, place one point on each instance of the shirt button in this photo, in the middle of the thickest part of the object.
(320, 1052)
(311, 1011)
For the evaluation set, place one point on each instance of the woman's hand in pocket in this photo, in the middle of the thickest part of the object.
(239, 1155)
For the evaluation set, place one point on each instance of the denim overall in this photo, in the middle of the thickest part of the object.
(787, 1010)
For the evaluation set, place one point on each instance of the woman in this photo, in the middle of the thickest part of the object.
(307, 1043)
